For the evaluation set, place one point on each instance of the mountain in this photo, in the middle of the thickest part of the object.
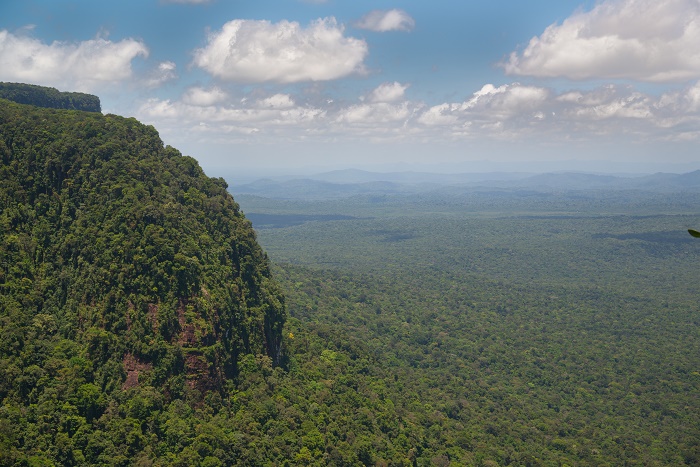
(317, 189)
(41, 96)
(124, 270)
(670, 182)
(578, 181)
(140, 325)
(362, 176)
(351, 182)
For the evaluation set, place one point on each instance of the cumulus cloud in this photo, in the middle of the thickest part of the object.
(514, 111)
(162, 74)
(507, 100)
(260, 51)
(386, 20)
(491, 105)
(442, 114)
(644, 40)
(678, 108)
(213, 112)
(78, 66)
(388, 92)
(607, 102)
(277, 101)
(506, 112)
(372, 114)
(690, 100)
(201, 97)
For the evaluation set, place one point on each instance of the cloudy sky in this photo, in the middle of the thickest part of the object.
(293, 85)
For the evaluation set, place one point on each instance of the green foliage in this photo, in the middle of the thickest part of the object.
(128, 281)
(526, 335)
(140, 325)
(41, 96)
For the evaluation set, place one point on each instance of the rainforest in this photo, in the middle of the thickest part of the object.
(151, 315)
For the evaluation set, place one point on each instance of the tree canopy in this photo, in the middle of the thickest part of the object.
(124, 270)
(41, 96)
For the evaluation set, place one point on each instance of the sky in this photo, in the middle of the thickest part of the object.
(287, 86)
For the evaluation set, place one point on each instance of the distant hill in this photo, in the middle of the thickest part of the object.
(659, 182)
(671, 182)
(346, 183)
(316, 189)
(362, 176)
(41, 96)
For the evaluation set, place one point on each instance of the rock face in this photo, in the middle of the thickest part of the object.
(122, 250)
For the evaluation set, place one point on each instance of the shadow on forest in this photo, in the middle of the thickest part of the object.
(280, 221)
(672, 237)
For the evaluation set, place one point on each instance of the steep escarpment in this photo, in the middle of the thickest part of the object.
(52, 98)
(121, 264)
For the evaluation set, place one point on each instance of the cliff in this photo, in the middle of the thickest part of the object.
(120, 252)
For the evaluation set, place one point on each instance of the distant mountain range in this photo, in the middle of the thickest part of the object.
(351, 182)
(363, 176)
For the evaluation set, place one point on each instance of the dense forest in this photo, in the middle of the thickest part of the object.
(41, 96)
(127, 277)
(141, 322)
(506, 327)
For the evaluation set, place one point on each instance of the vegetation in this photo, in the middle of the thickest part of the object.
(41, 96)
(126, 277)
(140, 325)
(510, 328)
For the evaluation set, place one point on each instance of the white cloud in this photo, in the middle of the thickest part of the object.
(438, 115)
(163, 73)
(510, 112)
(192, 111)
(201, 97)
(646, 40)
(675, 105)
(371, 114)
(389, 20)
(260, 51)
(388, 92)
(81, 66)
(277, 101)
(516, 111)
(635, 105)
(506, 100)
(490, 108)
(692, 98)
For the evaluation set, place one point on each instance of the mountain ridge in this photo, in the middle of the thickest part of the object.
(340, 184)
(122, 245)
(41, 96)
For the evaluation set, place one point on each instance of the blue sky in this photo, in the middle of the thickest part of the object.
(292, 85)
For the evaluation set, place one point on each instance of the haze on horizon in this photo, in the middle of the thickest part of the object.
(309, 86)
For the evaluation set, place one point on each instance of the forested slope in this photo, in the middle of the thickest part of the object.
(123, 269)
(52, 98)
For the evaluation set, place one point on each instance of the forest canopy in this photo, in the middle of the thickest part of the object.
(124, 270)
(140, 323)
(41, 96)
